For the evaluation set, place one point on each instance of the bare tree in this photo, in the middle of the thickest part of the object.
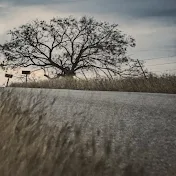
(69, 46)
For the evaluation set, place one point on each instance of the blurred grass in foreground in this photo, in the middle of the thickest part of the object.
(30, 147)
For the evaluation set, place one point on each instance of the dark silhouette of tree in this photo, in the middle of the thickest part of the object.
(68, 46)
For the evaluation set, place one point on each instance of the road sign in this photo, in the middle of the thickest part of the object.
(8, 75)
(26, 72)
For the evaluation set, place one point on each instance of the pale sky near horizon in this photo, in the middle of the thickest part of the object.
(152, 23)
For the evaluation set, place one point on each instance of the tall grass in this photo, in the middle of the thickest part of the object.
(30, 147)
(154, 84)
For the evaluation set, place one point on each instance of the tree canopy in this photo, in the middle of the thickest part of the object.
(68, 46)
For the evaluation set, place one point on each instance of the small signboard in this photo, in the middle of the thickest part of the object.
(26, 72)
(8, 75)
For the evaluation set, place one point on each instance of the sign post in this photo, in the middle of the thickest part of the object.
(8, 76)
(26, 73)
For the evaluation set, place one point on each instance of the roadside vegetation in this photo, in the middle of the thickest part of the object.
(31, 147)
(154, 84)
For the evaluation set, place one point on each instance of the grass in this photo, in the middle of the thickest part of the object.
(31, 147)
(154, 84)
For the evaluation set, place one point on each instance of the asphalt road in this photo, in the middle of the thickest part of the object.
(145, 121)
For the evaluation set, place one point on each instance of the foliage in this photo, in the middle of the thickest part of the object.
(67, 46)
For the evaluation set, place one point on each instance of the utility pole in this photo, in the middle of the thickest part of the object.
(142, 69)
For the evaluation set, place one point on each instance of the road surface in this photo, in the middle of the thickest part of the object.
(145, 121)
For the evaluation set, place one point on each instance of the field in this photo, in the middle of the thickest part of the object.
(154, 84)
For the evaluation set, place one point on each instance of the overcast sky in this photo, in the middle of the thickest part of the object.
(152, 22)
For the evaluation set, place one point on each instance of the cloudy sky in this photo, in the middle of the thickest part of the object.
(152, 23)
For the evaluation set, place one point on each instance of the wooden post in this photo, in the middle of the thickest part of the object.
(7, 82)
(26, 78)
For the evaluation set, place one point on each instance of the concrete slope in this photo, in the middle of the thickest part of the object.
(144, 121)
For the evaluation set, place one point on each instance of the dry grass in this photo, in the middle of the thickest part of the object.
(154, 84)
(30, 147)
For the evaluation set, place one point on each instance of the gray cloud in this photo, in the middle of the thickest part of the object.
(135, 15)
(139, 8)
(135, 8)
(166, 13)
(37, 2)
